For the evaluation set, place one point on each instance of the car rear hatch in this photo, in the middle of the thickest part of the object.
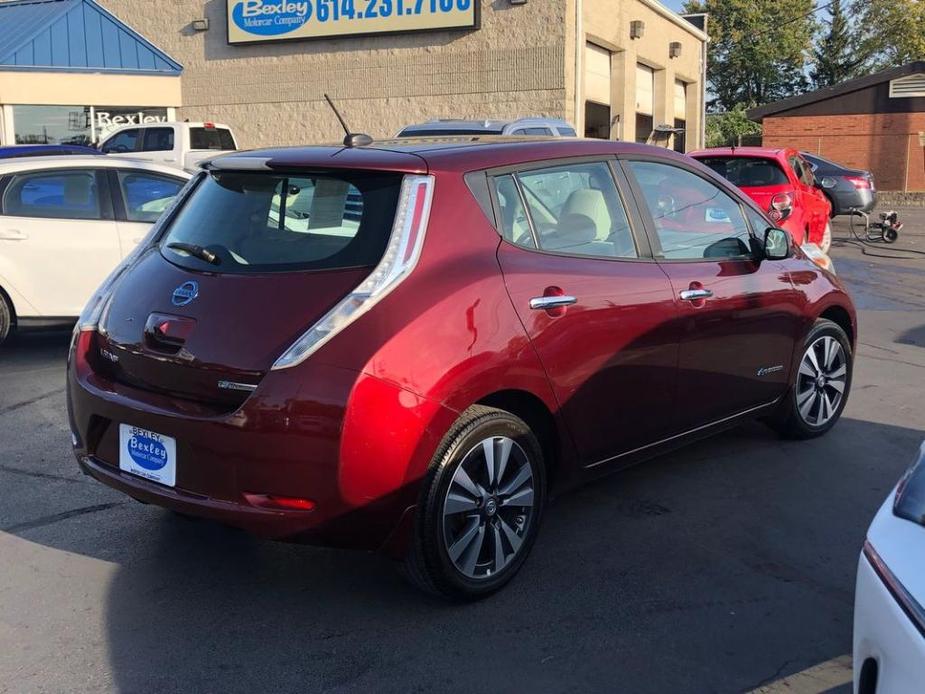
(250, 261)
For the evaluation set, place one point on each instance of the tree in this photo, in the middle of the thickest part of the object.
(837, 54)
(758, 50)
(724, 129)
(892, 32)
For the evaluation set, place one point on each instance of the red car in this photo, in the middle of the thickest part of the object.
(781, 181)
(411, 345)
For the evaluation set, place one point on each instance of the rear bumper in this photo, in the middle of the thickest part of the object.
(322, 442)
(846, 201)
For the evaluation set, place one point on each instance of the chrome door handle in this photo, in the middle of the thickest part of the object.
(694, 294)
(12, 235)
(543, 303)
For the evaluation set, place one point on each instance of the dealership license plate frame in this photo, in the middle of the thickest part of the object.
(152, 457)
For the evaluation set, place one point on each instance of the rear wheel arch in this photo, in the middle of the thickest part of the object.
(532, 410)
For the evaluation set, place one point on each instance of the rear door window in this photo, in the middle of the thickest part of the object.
(56, 194)
(211, 138)
(746, 172)
(257, 223)
(158, 140)
(573, 209)
(146, 195)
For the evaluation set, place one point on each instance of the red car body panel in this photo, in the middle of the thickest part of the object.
(811, 208)
(628, 371)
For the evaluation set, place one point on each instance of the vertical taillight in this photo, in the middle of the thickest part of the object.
(399, 259)
(781, 207)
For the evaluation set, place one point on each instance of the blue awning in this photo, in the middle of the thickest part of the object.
(75, 35)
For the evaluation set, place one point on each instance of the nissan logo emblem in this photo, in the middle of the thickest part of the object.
(185, 293)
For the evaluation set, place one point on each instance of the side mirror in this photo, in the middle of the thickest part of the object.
(776, 244)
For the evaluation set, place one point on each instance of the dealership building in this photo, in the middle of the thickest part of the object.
(70, 70)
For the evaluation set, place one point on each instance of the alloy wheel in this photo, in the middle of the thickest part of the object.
(821, 381)
(488, 508)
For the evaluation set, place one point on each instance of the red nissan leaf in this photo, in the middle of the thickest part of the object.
(409, 346)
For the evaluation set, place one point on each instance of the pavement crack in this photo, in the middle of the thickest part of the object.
(31, 401)
(42, 475)
(58, 517)
(770, 679)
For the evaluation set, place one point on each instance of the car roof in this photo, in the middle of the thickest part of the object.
(423, 154)
(772, 152)
(70, 161)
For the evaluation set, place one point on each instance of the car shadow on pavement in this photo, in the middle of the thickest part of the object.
(734, 556)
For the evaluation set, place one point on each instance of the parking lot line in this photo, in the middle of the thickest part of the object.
(823, 677)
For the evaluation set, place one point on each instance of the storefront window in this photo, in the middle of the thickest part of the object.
(79, 125)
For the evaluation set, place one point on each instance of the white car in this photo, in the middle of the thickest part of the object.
(178, 145)
(889, 609)
(65, 223)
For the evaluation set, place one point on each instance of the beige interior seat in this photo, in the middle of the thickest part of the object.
(590, 203)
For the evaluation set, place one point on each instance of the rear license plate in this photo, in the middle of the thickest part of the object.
(148, 454)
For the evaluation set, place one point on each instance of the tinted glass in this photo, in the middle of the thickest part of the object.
(748, 172)
(514, 225)
(122, 142)
(803, 170)
(567, 132)
(158, 140)
(53, 194)
(261, 222)
(211, 138)
(533, 131)
(693, 217)
(447, 132)
(146, 195)
(576, 209)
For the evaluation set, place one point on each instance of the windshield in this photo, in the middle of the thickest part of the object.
(746, 172)
(255, 222)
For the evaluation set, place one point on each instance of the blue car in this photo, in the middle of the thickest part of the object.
(14, 151)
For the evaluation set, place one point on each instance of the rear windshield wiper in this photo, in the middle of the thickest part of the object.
(196, 251)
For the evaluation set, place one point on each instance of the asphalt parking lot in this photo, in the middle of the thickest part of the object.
(720, 568)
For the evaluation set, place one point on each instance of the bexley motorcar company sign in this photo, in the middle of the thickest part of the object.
(278, 20)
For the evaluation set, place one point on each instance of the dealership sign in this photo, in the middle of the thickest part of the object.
(276, 20)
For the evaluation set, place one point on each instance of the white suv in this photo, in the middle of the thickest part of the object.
(65, 223)
(550, 127)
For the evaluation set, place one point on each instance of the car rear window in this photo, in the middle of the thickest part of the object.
(447, 132)
(748, 172)
(255, 222)
(211, 138)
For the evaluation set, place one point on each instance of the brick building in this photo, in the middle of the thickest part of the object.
(875, 123)
(614, 68)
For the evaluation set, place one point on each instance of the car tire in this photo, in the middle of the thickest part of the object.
(476, 519)
(821, 384)
(6, 318)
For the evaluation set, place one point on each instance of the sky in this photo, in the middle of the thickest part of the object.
(673, 4)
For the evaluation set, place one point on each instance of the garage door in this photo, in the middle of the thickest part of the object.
(597, 74)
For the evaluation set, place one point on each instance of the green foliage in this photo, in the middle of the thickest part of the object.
(758, 49)
(730, 128)
(837, 56)
(890, 32)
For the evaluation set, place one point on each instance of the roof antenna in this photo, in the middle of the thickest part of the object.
(350, 139)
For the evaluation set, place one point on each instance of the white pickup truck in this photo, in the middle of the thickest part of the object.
(180, 145)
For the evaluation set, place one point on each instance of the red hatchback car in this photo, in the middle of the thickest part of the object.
(410, 345)
(781, 181)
